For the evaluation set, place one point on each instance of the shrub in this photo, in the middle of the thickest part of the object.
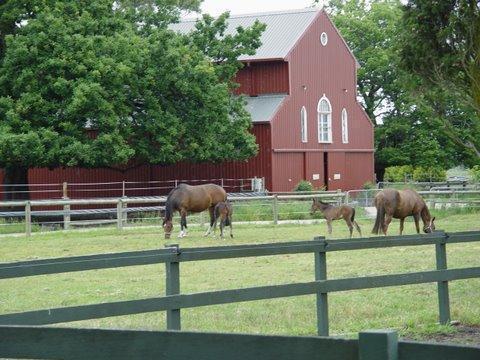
(434, 173)
(304, 185)
(369, 185)
(398, 173)
(475, 173)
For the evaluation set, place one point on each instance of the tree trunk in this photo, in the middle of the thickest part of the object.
(15, 184)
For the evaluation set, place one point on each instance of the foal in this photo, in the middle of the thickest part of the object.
(223, 211)
(331, 213)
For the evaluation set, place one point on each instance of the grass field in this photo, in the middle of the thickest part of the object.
(412, 310)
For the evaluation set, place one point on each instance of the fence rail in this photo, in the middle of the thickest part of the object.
(122, 188)
(67, 343)
(174, 301)
(122, 210)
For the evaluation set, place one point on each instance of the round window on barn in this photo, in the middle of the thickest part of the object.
(324, 38)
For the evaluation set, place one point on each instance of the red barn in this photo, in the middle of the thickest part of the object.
(300, 88)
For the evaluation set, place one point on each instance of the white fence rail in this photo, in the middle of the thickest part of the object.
(122, 188)
(127, 211)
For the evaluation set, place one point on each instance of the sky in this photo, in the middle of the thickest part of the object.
(216, 7)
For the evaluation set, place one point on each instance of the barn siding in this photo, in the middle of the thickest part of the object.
(259, 166)
(360, 170)
(287, 170)
(317, 70)
(1, 183)
(265, 77)
(314, 165)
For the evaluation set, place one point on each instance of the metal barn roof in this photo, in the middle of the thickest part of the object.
(262, 108)
(284, 28)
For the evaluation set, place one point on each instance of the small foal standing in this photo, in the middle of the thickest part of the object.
(223, 211)
(331, 213)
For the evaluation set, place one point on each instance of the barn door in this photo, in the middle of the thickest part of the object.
(325, 170)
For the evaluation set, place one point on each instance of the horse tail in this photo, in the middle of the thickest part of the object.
(380, 219)
(353, 215)
(227, 220)
(216, 211)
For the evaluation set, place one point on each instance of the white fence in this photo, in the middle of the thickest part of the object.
(121, 188)
(128, 211)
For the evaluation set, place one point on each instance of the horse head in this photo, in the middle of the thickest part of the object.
(167, 227)
(315, 206)
(430, 227)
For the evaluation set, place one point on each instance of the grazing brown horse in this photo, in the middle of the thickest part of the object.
(399, 204)
(331, 213)
(223, 211)
(191, 198)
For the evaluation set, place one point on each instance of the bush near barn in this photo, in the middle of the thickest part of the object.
(419, 173)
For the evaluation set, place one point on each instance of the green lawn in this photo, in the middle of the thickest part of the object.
(412, 310)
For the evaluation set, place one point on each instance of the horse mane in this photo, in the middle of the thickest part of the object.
(325, 203)
(169, 205)
(425, 213)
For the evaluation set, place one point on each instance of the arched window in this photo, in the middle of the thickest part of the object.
(324, 110)
(303, 124)
(344, 126)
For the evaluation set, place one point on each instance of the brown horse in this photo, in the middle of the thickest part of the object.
(223, 211)
(331, 213)
(187, 198)
(399, 204)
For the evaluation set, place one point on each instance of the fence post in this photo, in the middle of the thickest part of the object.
(378, 345)
(442, 286)
(123, 188)
(119, 214)
(65, 190)
(275, 209)
(322, 298)
(172, 288)
(66, 217)
(28, 219)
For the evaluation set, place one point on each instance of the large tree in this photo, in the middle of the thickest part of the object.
(409, 115)
(101, 83)
(441, 44)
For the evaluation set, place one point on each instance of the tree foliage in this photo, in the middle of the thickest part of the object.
(441, 44)
(102, 82)
(417, 123)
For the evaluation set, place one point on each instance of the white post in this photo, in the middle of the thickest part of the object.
(119, 215)
(28, 219)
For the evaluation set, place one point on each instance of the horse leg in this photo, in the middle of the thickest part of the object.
(211, 209)
(357, 227)
(402, 220)
(222, 226)
(350, 225)
(231, 228)
(416, 217)
(183, 223)
(329, 225)
(388, 220)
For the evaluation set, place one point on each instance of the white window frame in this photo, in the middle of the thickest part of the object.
(344, 126)
(324, 38)
(324, 121)
(303, 125)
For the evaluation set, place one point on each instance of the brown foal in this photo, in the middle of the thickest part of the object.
(331, 213)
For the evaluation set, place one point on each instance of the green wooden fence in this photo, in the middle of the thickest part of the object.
(174, 301)
(68, 343)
